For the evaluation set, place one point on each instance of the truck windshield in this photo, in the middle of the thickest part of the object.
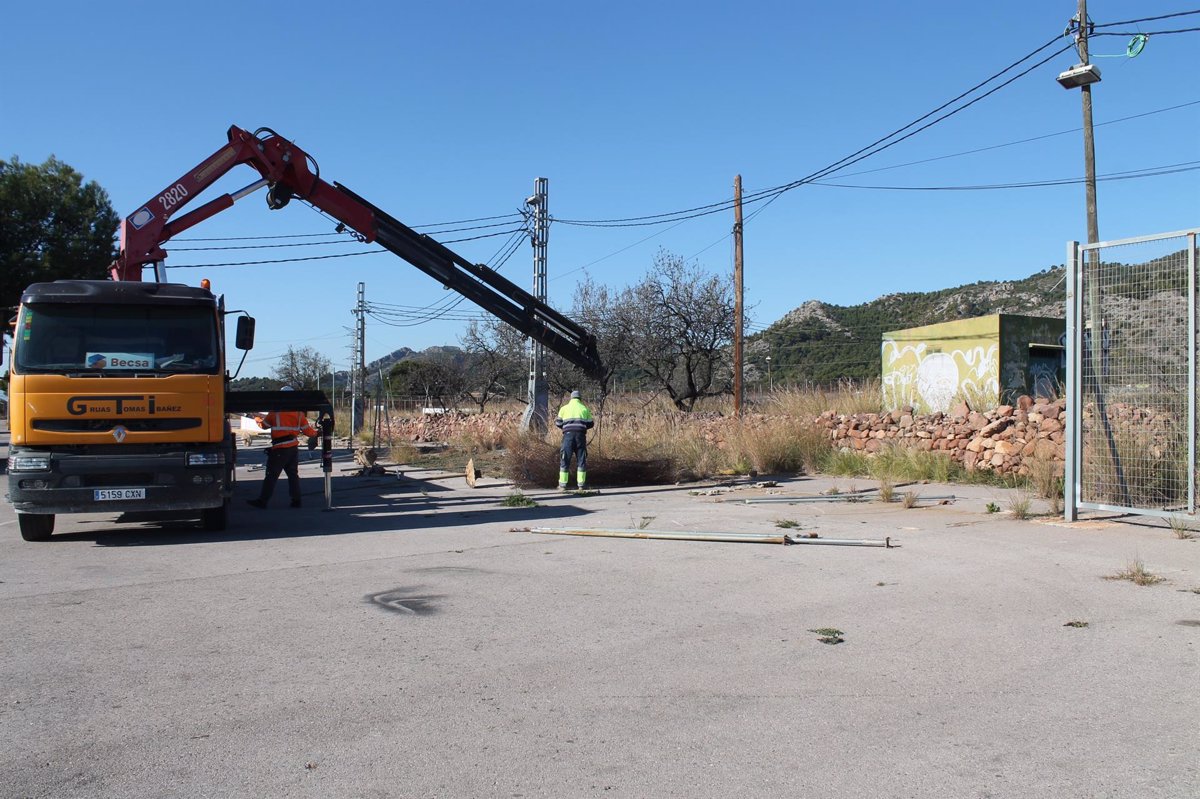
(116, 339)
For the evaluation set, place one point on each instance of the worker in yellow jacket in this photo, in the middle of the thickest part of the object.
(284, 454)
(574, 419)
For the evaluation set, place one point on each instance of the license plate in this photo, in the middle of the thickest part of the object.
(120, 493)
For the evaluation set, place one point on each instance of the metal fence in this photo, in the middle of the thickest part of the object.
(1131, 375)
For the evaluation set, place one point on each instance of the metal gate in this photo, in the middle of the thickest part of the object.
(1131, 375)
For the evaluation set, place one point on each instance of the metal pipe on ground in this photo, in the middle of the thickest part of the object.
(734, 538)
(831, 498)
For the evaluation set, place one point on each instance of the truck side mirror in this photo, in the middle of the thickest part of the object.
(245, 333)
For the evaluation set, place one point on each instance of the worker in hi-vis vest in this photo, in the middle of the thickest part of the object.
(284, 454)
(574, 419)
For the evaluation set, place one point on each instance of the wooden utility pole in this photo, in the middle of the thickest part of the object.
(738, 321)
(1089, 145)
(1095, 323)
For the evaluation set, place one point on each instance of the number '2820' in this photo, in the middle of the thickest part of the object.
(173, 196)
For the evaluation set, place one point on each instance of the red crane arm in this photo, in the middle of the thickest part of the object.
(284, 167)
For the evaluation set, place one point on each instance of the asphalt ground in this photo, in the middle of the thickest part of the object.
(407, 644)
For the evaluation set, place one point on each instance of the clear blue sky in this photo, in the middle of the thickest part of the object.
(439, 112)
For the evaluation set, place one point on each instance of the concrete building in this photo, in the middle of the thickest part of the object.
(987, 360)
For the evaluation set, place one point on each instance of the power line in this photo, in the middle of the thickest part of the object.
(512, 216)
(1146, 19)
(1187, 166)
(865, 152)
(844, 163)
(254, 238)
(258, 246)
(1146, 33)
(618, 252)
(880, 169)
(1021, 141)
(430, 313)
(276, 260)
(338, 255)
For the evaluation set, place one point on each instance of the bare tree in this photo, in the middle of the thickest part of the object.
(302, 368)
(610, 316)
(682, 327)
(436, 377)
(496, 361)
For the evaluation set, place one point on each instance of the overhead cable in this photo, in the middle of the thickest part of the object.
(1133, 174)
(864, 152)
(339, 255)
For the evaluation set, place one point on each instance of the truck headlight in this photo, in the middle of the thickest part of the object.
(29, 463)
(206, 458)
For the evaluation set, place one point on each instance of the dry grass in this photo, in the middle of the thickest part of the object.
(533, 462)
(1135, 572)
(897, 462)
(776, 445)
(657, 438)
(402, 452)
(910, 499)
(887, 489)
(1019, 504)
(846, 397)
(475, 440)
(1181, 528)
(977, 399)
(1045, 476)
(847, 463)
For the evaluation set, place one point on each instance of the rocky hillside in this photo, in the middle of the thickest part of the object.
(823, 343)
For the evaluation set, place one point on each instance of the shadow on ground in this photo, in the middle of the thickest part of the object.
(361, 505)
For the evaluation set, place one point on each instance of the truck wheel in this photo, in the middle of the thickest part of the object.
(36, 526)
(215, 519)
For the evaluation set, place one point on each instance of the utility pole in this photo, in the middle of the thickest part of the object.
(537, 411)
(738, 320)
(1089, 145)
(358, 370)
(1095, 325)
(1094, 322)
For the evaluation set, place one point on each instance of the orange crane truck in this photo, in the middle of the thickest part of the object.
(118, 391)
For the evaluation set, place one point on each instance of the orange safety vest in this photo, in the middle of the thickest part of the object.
(286, 427)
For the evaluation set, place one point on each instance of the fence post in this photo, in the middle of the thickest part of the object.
(1191, 304)
(1071, 446)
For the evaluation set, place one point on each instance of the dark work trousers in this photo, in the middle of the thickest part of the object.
(574, 443)
(284, 459)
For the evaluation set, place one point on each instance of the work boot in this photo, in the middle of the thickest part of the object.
(258, 503)
(562, 487)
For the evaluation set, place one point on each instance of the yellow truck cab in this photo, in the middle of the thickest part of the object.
(117, 403)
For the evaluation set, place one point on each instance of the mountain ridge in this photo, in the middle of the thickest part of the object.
(819, 342)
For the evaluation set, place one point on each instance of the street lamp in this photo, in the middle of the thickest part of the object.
(770, 379)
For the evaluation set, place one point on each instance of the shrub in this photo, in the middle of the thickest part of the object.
(848, 397)
(848, 463)
(777, 445)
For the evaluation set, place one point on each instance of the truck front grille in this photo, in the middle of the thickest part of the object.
(105, 425)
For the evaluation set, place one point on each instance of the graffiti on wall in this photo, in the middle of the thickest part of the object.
(929, 379)
(1030, 367)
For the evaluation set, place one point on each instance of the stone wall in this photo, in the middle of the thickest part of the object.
(1002, 440)
(454, 425)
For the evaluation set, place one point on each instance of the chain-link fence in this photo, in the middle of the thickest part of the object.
(1132, 342)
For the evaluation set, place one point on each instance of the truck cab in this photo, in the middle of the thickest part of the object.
(118, 402)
